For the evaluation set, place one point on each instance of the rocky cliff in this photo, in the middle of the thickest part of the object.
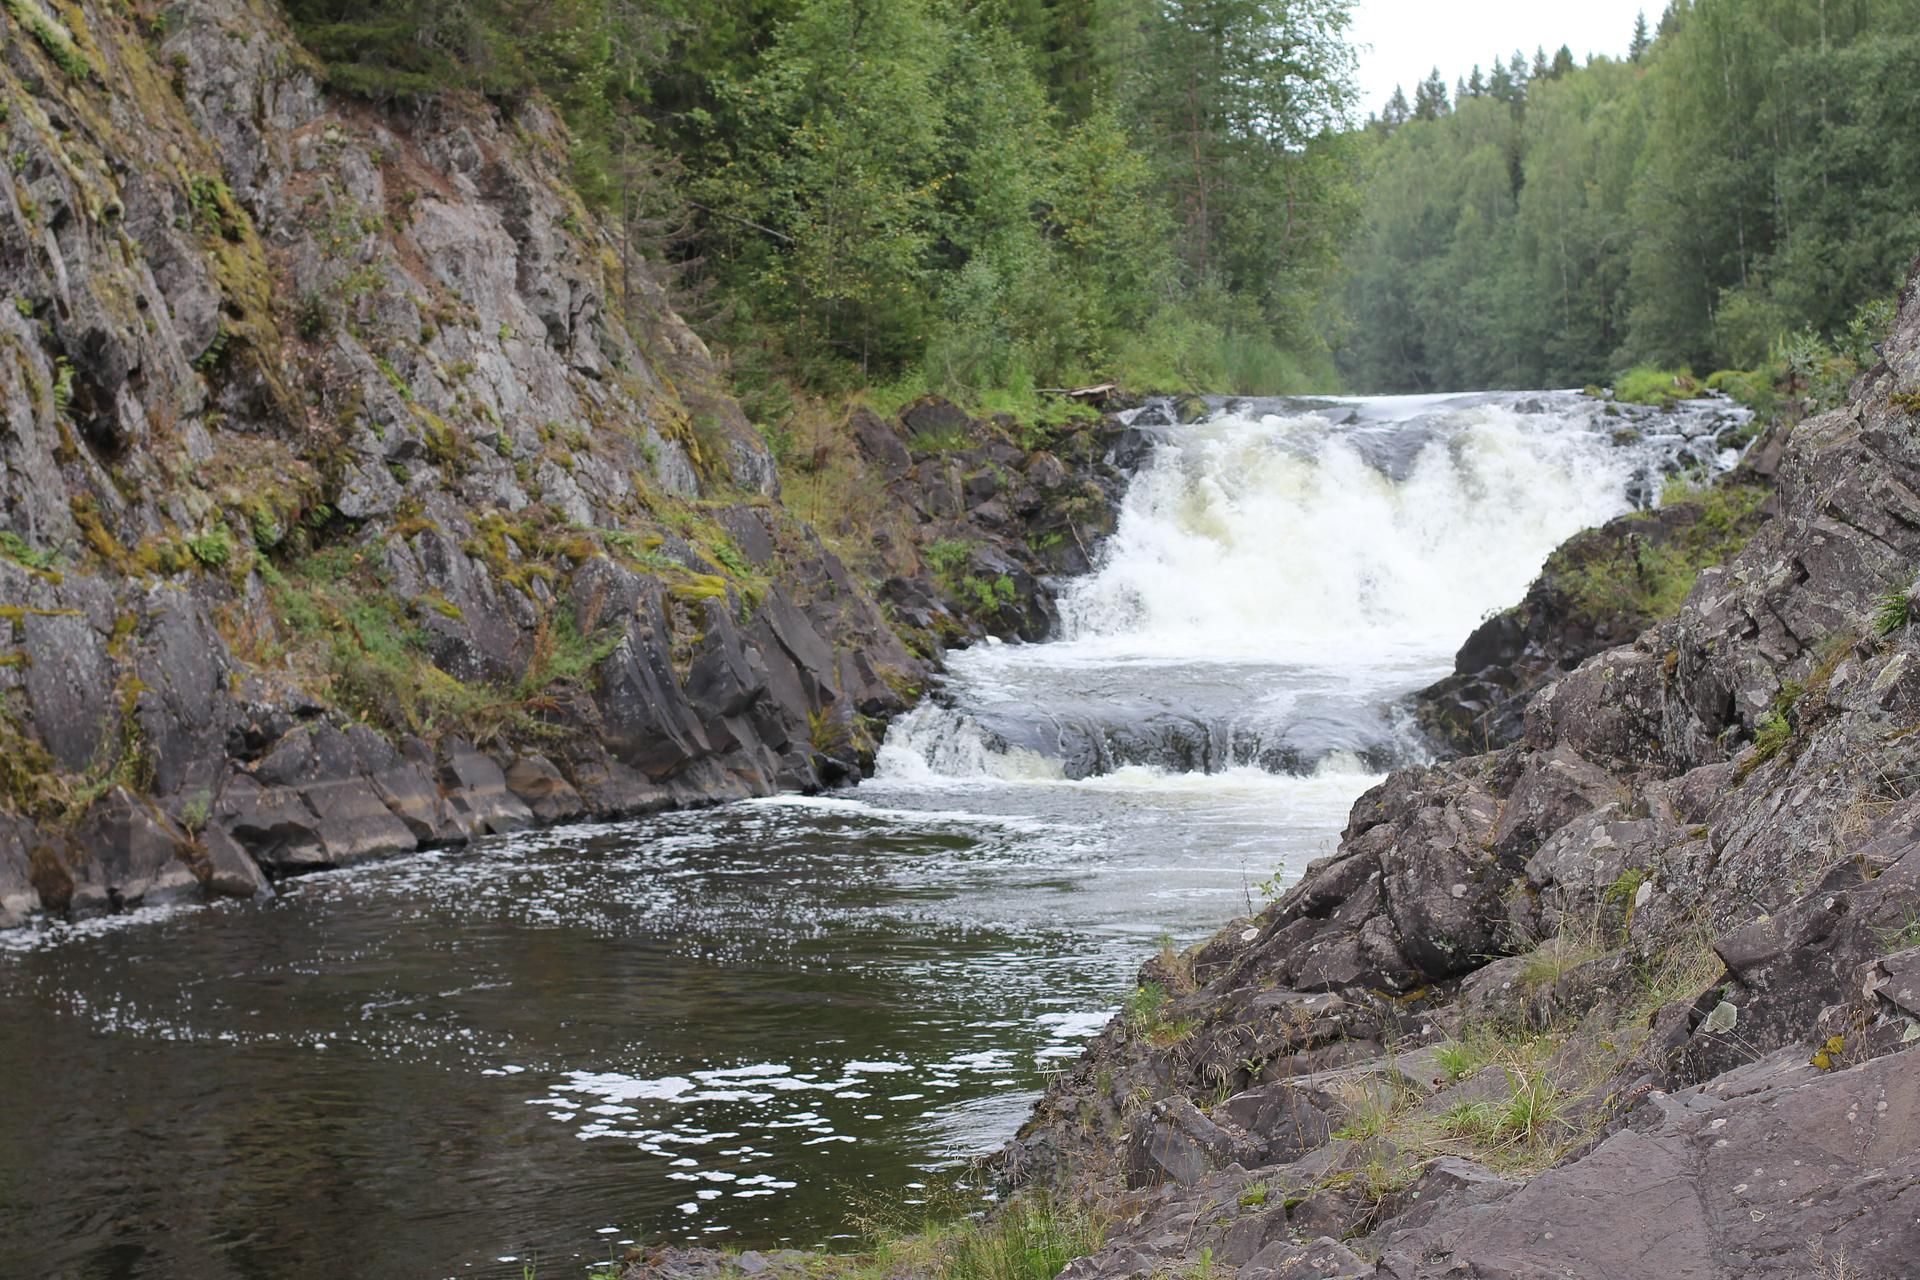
(1633, 995)
(360, 492)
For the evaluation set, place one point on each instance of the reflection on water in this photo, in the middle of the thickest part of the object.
(730, 1026)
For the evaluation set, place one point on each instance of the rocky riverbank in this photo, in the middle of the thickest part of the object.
(1631, 995)
(363, 493)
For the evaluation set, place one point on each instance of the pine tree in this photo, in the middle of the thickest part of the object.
(1562, 63)
(1476, 84)
(1397, 112)
(1430, 97)
(1501, 86)
(1637, 51)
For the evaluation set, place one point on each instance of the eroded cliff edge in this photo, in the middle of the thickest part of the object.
(1637, 994)
(361, 493)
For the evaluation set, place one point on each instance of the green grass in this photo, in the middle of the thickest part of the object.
(1648, 385)
(1557, 957)
(1030, 1238)
(1533, 1115)
(1458, 1059)
(1902, 936)
(1372, 1106)
(1146, 1016)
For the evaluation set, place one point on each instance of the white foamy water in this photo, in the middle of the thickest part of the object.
(1276, 537)
(1280, 578)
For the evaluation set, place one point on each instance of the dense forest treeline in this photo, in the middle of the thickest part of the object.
(983, 196)
(1729, 196)
(968, 195)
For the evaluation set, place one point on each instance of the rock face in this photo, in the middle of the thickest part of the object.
(1601, 588)
(1633, 995)
(358, 495)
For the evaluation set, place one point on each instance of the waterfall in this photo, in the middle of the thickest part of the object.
(1285, 572)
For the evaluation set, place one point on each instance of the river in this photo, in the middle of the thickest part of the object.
(757, 1024)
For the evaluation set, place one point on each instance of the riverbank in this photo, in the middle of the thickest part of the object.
(365, 495)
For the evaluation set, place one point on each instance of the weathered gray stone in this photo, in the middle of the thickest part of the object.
(539, 785)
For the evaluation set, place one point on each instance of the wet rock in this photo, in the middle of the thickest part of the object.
(18, 897)
(127, 853)
(477, 794)
(539, 785)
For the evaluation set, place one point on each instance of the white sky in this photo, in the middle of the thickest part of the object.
(1399, 41)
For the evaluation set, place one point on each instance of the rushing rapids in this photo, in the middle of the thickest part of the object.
(1287, 569)
(736, 1025)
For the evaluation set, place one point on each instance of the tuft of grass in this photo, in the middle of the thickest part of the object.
(1372, 1107)
(1557, 957)
(1531, 1115)
(1770, 738)
(1458, 1059)
(1146, 1016)
(1900, 937)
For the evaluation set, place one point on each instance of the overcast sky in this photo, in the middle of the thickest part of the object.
(1401, 40)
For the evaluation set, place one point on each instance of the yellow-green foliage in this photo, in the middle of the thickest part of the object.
(341, 623)
(1030, 1238)
(1146, 1016)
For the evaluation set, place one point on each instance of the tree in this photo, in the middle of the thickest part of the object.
(1238, 102)
(1500, 85)
(1430, 97)
(1397, 112)
(1637, 50)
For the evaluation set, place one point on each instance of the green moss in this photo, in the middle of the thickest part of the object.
(1646, 580)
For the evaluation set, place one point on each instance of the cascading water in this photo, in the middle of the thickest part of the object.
(1283, 573)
